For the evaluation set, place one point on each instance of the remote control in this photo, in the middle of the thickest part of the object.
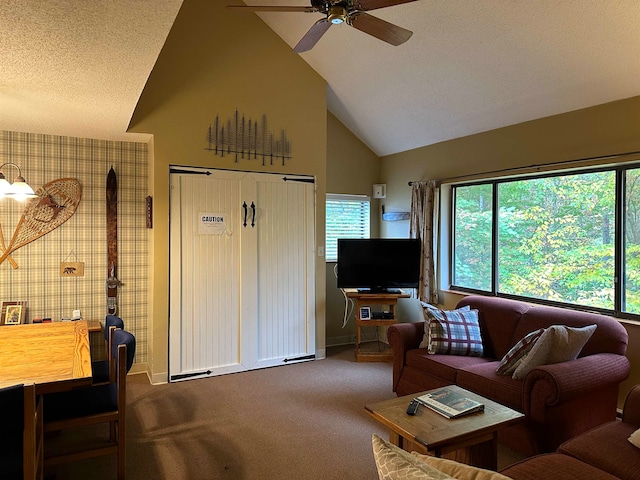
(413, 407)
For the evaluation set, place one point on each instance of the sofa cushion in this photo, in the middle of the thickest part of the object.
(610, 336)
(453, 332)
(483, 380)
(444, 367)
(555, 466)
(393, 463)
(457, 470)
(516, 354)
(499, 318)
(606, 447)
(558, 343)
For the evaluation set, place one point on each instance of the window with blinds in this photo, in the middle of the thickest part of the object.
(348, 216)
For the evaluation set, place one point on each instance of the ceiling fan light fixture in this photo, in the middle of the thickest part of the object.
(337, 14)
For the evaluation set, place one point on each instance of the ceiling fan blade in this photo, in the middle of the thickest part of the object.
(272, 8)
(373, 4)
(314, 34)
(381, 29)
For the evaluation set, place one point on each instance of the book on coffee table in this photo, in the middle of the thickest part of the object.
(449, 403)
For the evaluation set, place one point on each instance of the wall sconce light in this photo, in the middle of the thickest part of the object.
(19, 189)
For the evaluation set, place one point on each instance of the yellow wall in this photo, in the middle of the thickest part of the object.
(214, 62)
(592, 132)
(352, 168)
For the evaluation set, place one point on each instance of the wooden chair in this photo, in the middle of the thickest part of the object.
(21, 418)
(112, 321)
(33, 448)
(97, 404)
(103, 370)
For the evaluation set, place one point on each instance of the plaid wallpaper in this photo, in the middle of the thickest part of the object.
(43, 158)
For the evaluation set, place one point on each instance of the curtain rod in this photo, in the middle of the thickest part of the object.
(515, 169)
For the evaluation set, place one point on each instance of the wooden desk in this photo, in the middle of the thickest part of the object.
(471, 439)
(53, 356)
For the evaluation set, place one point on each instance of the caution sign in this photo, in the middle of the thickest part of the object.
(212, 223)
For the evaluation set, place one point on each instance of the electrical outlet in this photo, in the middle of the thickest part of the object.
(321, 251)
(76, 315)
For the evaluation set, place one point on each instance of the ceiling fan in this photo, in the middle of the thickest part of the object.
(351, 12)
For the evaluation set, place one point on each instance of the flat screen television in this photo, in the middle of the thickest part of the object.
(378, 264)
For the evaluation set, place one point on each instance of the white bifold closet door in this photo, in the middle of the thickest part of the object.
(242, 271)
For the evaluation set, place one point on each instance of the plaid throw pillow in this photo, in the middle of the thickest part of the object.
(516, 354)
(427, 331)
(455, 332)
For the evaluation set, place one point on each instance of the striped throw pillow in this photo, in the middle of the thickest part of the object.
(454, 332)
(516, 354)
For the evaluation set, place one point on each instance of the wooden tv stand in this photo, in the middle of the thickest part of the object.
(381, 352)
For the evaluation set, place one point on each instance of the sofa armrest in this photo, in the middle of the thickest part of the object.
(631, 411)
(403, 337)
(552, 384)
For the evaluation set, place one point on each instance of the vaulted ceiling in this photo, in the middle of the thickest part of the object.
(78, 68)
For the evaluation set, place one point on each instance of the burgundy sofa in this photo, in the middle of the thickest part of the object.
(602, 453)
(559, 401)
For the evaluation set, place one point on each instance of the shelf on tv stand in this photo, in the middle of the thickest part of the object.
(383, 353)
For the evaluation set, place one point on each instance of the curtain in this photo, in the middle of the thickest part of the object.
(423, 218)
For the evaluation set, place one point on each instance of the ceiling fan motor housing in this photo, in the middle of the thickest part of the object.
(337, 14)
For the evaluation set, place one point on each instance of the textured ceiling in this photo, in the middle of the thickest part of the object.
(78, 68)
(471, 65)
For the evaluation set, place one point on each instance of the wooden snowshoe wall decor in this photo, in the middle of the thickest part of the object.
(57, 201)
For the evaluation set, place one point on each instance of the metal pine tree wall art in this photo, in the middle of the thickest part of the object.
(248, 139)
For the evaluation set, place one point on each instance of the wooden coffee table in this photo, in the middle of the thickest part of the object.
(471, 439)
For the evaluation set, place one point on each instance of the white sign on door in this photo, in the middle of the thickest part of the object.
(212, 223)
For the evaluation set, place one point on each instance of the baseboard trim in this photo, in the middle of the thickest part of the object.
(158, 378)
(143, 368)
(338, 341)
(139, 368)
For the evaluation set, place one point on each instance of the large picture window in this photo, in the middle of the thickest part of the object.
(553, 238)
(472, 235)
(631, 298)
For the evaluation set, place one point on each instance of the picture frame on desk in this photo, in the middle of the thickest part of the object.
(365, 313)
(13, 313)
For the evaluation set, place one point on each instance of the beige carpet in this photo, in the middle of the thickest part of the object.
(300, 421)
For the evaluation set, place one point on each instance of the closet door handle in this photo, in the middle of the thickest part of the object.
(253, 212)
(244, 205)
